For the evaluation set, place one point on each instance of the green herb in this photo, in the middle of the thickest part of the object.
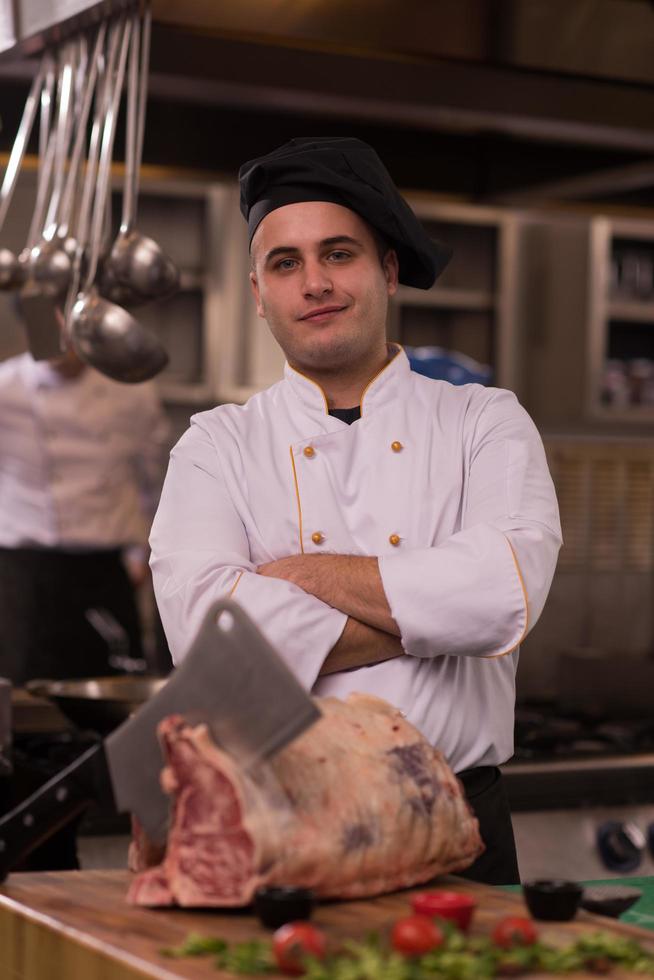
(254, 956)
(196, 945)
(459, 958)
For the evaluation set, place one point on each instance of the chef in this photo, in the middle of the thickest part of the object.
(81, 465)
(389, 533)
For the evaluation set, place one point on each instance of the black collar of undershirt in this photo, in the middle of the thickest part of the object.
(348, 415)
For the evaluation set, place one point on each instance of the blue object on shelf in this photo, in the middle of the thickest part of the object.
(444, 365)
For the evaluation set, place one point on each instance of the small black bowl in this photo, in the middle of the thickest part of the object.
(277, 905)
(552, 899)
(611, 900)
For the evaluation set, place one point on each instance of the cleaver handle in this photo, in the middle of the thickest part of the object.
(51, 807)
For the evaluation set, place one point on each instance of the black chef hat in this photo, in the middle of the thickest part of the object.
(344, 171)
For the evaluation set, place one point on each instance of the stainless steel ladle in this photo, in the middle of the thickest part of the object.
(11, 274)
(102, 333)
(137, 268)
(48, 268)
(51, 260)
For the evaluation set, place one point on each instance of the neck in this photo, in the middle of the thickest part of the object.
(345, 390)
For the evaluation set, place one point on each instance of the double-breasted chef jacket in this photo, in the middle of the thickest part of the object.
(447, 485)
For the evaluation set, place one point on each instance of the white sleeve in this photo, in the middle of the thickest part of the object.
(481, 590)
(152, 433)
(200, 552)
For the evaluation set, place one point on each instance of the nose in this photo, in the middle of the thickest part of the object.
(317, 282)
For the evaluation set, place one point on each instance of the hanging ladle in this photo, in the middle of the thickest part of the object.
(11, 273)
(106, 66)
(102, 333)
(137, 268)
(51, 278)
(51, 259)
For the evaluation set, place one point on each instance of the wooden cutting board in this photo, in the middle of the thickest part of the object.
(76, 925)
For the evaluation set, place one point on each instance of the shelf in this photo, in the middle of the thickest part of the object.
(638, 311)
(639, 414)
(450, 299)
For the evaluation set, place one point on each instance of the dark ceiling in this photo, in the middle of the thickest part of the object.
(486, 99)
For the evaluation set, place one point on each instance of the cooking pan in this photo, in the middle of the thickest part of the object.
(97, 704)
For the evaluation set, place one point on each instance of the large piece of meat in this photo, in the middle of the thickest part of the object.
(358, 805)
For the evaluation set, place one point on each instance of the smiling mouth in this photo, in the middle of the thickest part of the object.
(323, 313)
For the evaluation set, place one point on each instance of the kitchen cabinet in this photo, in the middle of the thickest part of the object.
(621, 321)
(472, 308)
(587, 295)
(186, 217)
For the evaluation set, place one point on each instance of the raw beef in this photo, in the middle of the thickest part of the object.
(359, 804)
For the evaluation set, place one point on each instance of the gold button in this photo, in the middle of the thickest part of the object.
(394, 540)
(309, 451)
(317, 537)
(397, 447)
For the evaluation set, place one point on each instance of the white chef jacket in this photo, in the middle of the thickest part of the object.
(81, 459)
(466, 497)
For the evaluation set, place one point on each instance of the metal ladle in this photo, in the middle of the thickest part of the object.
(106, 65)
(102, 333)
(51, 260)
(137, 268)
(48, 267)
(49, 149)
(10, 270)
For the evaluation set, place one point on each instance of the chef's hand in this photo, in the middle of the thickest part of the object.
(351, 583)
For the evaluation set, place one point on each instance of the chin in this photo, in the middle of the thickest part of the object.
(330, 358)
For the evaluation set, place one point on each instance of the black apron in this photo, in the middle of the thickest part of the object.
(486, 794)
(44, 596)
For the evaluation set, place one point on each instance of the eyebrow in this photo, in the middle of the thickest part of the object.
(326, 242)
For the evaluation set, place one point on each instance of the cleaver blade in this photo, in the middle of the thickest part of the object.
(232, 680)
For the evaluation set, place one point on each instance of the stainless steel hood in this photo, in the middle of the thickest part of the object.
(610, 39)
(552, 70)
(559, 72)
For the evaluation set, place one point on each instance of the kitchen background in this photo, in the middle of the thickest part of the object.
(522, 132)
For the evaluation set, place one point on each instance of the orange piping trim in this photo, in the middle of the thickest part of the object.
(311, 381)
(297, 497)
(372, 381)
(505, 653)
(233, 588)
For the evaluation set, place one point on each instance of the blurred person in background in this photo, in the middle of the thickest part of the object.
(81, 466)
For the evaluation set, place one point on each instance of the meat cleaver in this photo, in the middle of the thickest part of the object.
(231, 679)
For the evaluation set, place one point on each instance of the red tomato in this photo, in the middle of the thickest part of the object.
(455, 906)
(415, 935)
(514, 931)
(295, 941)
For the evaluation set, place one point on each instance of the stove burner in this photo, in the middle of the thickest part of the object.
(544, 733)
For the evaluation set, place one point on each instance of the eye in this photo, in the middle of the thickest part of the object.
(339, 255)
(285, 265)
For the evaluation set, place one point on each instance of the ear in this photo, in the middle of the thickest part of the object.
(391, 268)
(257, 295)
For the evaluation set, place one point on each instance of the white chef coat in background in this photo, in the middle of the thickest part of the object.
(81, 459)
(447, 485)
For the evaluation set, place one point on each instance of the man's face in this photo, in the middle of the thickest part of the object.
(320, 283)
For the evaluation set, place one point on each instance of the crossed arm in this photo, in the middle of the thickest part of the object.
(352, 584)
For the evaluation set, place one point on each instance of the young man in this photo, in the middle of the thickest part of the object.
(388, 533)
